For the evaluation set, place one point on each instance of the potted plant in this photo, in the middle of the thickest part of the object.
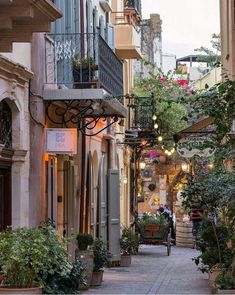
(129, 244)
(101, 258)
(28, 255)
(85, 255)
(83, 71)
(84, 240)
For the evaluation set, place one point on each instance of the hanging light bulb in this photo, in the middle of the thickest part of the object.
(172, 150)
(166, 152)
(185, 167)
(155, 126)
(154, 117)
(160, 138)
(210, 165)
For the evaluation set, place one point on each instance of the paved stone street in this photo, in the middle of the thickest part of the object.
(153, 272)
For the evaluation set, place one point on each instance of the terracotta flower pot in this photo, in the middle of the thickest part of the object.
(125, 260)
(97, 277)
(7, 290)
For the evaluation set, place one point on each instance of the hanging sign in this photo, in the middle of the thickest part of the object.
(194, 145)
(61, 140)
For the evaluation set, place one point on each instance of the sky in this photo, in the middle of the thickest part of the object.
(186, 24)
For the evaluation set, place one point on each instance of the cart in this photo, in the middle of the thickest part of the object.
(156, 234)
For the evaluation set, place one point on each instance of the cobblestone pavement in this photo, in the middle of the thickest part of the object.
(153, 272)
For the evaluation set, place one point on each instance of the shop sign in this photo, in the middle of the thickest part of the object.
(61, 140)
(194, 145)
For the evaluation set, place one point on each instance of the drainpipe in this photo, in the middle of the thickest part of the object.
(82, 22)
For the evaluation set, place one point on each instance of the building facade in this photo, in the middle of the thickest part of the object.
(20, 20)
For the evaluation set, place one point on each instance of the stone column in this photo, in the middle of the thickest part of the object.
(20, 189)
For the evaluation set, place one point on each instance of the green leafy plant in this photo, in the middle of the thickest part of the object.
(28, 255)
(84, 240)
(66, 283)
(101, 255)
(82, 62)
(225, 281)
(129, 242)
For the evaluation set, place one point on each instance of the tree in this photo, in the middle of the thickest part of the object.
(211, 56)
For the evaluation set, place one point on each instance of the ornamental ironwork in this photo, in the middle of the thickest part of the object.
(82, 60)
(5, 125)
(82, 114)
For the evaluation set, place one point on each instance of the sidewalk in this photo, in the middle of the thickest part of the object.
(153, 272)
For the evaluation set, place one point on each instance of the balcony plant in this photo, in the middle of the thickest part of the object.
(83, 71)
(101, 259)
(129, 244)
(28, 256)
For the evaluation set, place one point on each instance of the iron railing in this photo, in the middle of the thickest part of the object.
(76, 60)
(136, 4)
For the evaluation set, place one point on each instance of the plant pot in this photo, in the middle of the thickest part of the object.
(87, 258)
(97, 277)
(83, 78)
(220, 291)
(20, 290)
(125, 260)
(213, 274)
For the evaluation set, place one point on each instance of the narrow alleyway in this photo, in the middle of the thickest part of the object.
(153, 272)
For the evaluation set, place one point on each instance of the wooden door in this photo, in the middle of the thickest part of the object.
(5, 197)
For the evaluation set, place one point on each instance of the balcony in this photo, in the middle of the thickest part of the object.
(127, 41)
(127, 31)
(130, 5)
(20, 19)
(83, 67)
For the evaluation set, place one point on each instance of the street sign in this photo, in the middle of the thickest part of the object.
(194, 145)
(61, 140)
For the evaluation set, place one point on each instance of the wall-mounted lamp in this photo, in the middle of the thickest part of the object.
(142, 165)
(125, 180)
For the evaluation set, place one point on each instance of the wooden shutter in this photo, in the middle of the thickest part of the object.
(110, 36)
(114, 214)
(102, 191)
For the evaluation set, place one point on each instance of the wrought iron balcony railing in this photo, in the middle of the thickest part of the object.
(81, 61)
(136, 4)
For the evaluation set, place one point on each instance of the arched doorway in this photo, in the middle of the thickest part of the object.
(5, 165)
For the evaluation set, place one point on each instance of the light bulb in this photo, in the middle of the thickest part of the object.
(155, 126)
(160, 138)
(142, 165)
(185, 167)
(154, 117)
(172, 150)
(210, 165)
(125, 180)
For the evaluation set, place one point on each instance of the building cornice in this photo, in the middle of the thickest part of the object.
(48, 8)
(14, 71)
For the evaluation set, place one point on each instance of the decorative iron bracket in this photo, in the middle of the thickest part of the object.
(84, 114)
